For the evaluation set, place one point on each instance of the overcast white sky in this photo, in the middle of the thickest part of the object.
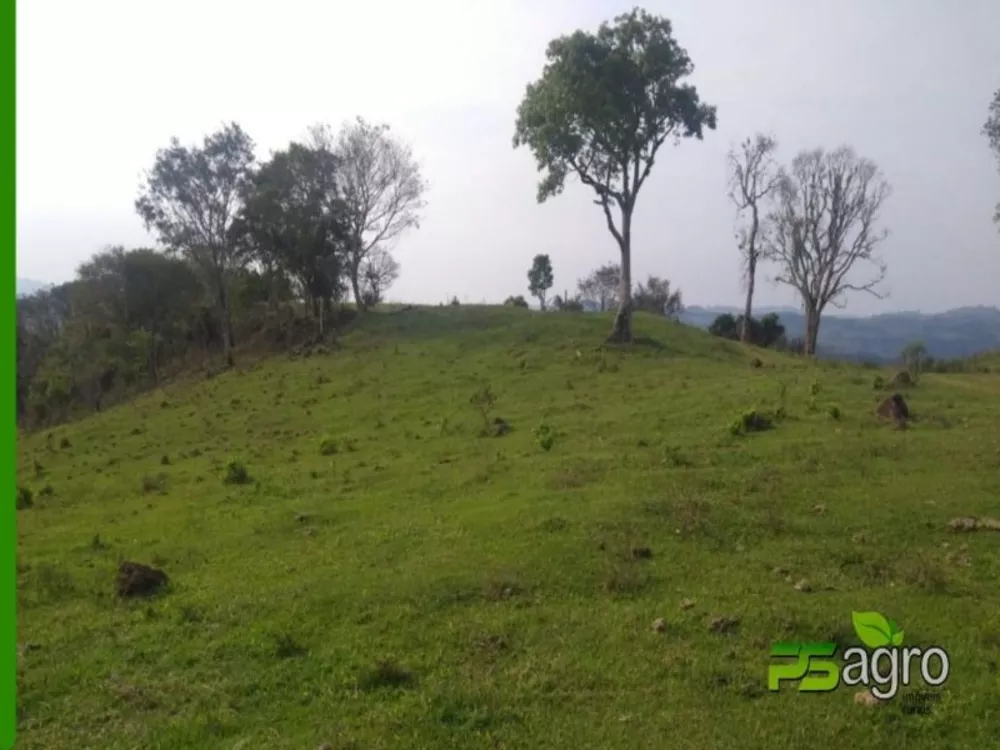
(102, 84)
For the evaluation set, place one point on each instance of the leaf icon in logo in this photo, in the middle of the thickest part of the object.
(873, 629)
(897, 638)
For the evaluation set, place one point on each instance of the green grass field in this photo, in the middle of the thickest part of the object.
(389, 578)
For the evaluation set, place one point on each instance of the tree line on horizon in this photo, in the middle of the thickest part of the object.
(243, 242)
(598, 291)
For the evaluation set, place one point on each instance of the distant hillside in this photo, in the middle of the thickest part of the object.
(26, 287)
(961, 332)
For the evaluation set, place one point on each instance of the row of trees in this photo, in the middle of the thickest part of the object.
(765, 332)
(315, 222)
(323, 213)
(817, 220)
(607, 102)
(600, 291)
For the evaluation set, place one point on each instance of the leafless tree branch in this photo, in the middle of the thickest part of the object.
(825, 227)
(381, 186)
(754, 179)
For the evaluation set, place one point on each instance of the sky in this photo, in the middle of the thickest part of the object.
(103, 84)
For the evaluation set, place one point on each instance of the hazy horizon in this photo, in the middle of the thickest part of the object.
(102, 90)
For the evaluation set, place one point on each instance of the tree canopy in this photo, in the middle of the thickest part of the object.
(191, 197)
(293, 217)
(540, 278)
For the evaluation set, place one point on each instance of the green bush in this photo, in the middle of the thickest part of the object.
(749, 421)
(25, 498)
(545, 437)
(236, 473)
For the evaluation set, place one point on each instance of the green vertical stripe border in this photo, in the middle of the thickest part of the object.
(8, 295)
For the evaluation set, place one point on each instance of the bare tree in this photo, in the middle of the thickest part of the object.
(825, 225)
(378, 270)
(754, 179)
(381, 186)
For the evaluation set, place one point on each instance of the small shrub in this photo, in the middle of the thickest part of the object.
(154, 483)
(623, 580)
(501, 588)
(834, 411)
(749, 421)
(385, 674)
(64, 443)
(814, 388)
(878, 383)
(672, 456)
(236, 473)
(483, 401)
(286, 647)
(454, 302)
(165, 460)
(25, 498)
(47, 491)
(545, 437)
(327, 446)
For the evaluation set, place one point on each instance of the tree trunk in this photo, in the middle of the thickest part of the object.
(621, 330)
(354, 259)
(748, 309)
(272, 286)
(228, 340)
(812, 329)
(356, 289)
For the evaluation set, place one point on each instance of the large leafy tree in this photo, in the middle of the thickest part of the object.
(992, 132)
(191, 197)
(603, 107)
(826, 227)
(294, 218)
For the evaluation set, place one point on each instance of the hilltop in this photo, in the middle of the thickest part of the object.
(381, 574)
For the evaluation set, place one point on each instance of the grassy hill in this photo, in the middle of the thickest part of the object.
(390, 578)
